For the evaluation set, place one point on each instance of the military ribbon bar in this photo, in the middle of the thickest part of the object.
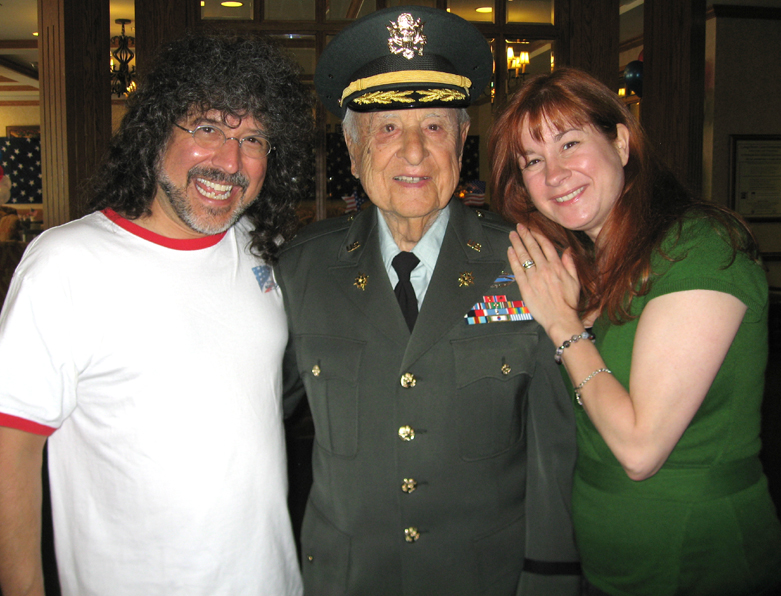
(497, 309)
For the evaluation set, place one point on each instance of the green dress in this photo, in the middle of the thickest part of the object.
(705, 523)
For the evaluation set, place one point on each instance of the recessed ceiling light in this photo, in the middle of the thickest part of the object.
(231, 4)
(484, 9)
(35, 34)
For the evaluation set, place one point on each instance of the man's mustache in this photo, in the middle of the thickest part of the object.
(235, 179)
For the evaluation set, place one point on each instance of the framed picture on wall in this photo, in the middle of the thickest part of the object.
(755, 176)
(23, 132)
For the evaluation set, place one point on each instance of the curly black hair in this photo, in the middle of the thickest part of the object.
(237, 75)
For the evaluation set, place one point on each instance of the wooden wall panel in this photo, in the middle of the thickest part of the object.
(75, 100)
(672, 107)
(54, 154)
(590, 38)
(159, 22)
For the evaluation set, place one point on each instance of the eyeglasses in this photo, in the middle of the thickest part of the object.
(211, 137)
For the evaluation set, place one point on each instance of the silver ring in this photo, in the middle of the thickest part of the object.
(528, 264)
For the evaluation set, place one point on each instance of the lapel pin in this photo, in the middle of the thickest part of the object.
(476, 246)
(353, 246)
(504, 279)
(361, 281)
(466, 279)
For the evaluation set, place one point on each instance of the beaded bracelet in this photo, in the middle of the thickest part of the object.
(586, 380)
(569, 342)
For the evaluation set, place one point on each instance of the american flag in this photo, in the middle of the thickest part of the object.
(473, 194)
(340, 180)
(21, 161)
(354, 201)
(470, 158)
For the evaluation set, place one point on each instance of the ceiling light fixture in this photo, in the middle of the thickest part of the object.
(231, 4)
(516, 68)
(123, 78)
(484, 9)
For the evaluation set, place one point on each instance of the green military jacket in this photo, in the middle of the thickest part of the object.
(443, 459)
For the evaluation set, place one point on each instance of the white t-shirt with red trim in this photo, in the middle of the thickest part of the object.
(155, 366)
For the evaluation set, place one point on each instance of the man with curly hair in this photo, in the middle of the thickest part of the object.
(145, 340)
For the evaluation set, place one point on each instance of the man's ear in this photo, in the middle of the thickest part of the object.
(352, 150)
(463, 134)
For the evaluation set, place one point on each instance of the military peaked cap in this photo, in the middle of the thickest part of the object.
(404, 57)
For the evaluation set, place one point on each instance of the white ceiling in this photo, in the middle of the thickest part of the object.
(18, 22)
(19, 19)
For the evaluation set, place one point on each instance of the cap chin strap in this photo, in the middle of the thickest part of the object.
(405, 77)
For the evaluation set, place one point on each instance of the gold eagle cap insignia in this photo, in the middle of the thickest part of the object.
(406, 36)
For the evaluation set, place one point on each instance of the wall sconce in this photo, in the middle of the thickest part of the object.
(516, 68)
(123, 77)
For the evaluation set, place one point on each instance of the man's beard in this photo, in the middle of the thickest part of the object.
(211, 220)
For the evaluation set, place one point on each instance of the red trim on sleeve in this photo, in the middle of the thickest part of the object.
(175, 243)
(26, 425)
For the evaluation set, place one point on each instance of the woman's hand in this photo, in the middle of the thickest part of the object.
(550, 288)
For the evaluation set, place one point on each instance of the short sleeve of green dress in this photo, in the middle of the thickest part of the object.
(705, 523)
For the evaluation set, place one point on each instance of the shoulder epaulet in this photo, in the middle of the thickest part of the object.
(492, 219)
(318, 229)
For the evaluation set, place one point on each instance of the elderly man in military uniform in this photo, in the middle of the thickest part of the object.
(444, 438)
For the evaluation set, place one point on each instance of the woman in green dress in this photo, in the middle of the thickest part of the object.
(659, 305)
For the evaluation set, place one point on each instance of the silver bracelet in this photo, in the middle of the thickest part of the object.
(569, 342)
(586, 380)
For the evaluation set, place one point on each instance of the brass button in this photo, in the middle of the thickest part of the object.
(316, 370)
(310, 558)
(409, 485)
(411, 534)
(408, 380)
(506, 370)
(407, 433)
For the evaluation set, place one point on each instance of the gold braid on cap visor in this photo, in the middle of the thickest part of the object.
(407, 76)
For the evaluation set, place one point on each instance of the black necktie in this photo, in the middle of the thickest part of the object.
(404, 263)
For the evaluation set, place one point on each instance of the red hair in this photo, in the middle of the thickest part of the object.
(618, 266)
